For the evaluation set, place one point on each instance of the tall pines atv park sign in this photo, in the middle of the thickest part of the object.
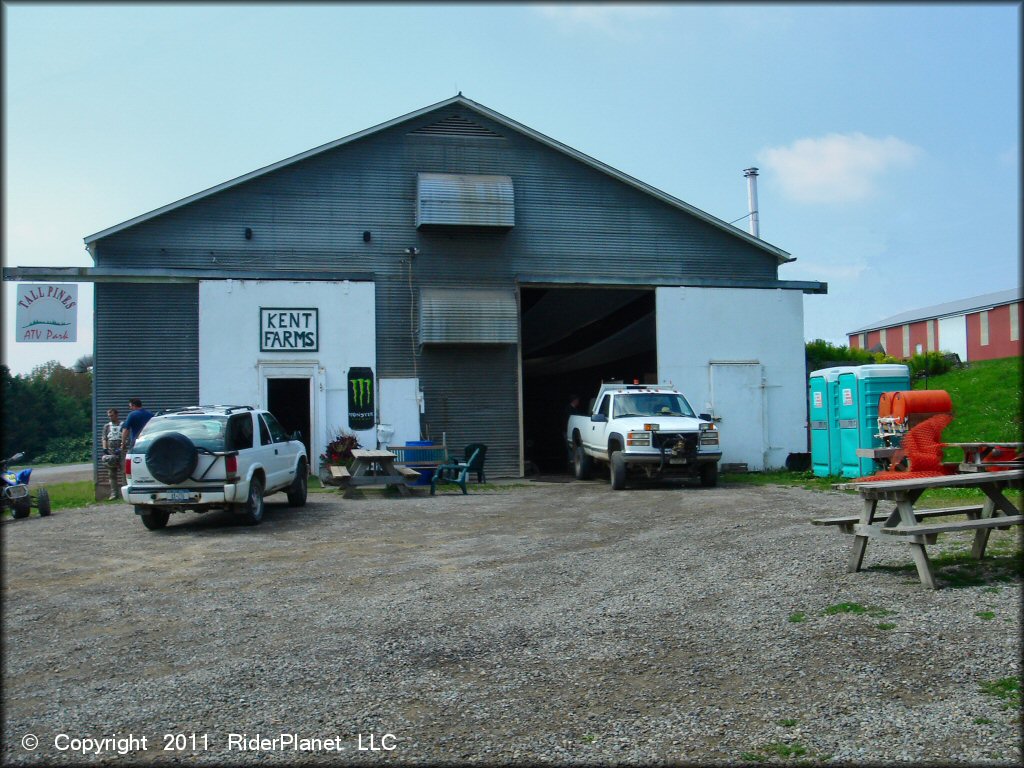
(47, 312)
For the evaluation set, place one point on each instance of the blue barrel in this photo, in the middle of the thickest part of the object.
(426, 473)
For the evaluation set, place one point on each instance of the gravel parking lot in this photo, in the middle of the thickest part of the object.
(548, 623)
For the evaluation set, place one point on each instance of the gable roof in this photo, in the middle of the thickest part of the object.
(460, 100)
(958, 307)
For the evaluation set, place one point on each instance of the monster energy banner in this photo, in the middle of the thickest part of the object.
(360, 398)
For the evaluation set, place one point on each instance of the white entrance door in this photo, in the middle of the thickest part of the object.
(738, 403)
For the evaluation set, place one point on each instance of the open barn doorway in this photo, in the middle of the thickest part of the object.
(289, 401)
(571, 340)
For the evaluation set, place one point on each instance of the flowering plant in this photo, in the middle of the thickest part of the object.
(339, 450)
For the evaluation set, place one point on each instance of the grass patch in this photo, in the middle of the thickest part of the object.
(788, 722)
(1007, 689)
(886, 626)
(986, 615)
(856, 608)
(797, 616)
(983, 721)
(986, 401)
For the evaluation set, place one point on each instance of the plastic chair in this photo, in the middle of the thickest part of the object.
(476, 463)
(453, 472)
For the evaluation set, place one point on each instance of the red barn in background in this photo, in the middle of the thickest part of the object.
(979, 328)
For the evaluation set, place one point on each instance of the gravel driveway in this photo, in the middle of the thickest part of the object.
(549, 623)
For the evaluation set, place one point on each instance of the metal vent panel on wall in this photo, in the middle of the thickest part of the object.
(456, 125)
(457, 316)
(461, 199)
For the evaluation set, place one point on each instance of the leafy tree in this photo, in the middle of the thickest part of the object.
(50, 405)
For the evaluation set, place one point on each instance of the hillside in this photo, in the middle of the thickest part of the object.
(986, 400)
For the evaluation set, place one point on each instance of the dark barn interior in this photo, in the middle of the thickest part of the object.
(573, 339)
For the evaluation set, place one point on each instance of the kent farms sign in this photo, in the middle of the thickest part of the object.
(289, 330)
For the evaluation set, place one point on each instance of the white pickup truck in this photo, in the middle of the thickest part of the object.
(643, 431)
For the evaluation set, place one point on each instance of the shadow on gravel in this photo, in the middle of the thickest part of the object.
(276, 515)
(961, 570)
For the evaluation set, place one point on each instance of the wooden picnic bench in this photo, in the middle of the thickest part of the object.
(377, 468)
(904, 524)
(978, 456)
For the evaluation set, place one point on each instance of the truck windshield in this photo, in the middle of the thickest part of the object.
(651, 404)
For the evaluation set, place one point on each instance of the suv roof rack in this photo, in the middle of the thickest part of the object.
(201, 408)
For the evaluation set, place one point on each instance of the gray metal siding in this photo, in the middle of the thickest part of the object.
(147, 346)
(471, 398)
(571, 221)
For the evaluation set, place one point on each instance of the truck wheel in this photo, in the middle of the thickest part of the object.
(252, 509)
(618, 471)
(709, 475)
(155, 519)
(582, 464)
(299, 487)
(43, 502)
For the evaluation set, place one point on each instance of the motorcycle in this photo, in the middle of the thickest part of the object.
(16, 494)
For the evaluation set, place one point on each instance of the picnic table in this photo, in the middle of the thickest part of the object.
(977, 455)
(377, 468)
(906, 525)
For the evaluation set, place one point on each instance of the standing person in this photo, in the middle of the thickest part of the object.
(111, 442)
(133, 424)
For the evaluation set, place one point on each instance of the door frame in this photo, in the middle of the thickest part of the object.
(300, 370)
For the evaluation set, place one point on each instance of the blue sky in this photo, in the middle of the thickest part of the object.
(887, 135)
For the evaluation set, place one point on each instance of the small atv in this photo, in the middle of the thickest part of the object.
(16, 494)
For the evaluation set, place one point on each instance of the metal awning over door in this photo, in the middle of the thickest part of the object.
(458, 316)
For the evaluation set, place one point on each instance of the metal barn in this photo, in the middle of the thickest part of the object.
(474, 271)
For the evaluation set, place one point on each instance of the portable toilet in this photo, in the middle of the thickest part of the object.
(858, 392)
(823, 419)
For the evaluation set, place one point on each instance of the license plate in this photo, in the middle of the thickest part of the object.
(180, 496)
(677, 461)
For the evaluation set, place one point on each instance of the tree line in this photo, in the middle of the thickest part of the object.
(47, 413)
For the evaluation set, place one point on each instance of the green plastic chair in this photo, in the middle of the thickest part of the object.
(475, 455)
(455, 472)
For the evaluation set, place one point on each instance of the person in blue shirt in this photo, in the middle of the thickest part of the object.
(133, 424)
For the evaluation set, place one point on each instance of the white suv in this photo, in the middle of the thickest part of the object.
(217, 456)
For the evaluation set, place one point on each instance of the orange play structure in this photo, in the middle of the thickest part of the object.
(919, 417)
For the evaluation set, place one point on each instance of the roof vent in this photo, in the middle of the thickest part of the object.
(456, 125)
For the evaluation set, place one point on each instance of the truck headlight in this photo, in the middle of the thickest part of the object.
(709, 435)
(638, 438)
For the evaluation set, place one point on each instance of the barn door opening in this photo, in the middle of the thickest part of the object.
(571, 340)
(289, 400)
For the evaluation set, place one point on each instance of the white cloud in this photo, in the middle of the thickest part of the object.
(836, 168)
(613, 20)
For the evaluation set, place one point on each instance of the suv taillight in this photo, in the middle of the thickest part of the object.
(231, 467)
(127, 466)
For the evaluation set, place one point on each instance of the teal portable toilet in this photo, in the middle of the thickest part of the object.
(823, 419)
(857, 392)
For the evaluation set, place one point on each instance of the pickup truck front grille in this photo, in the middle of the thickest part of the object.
(679, 444)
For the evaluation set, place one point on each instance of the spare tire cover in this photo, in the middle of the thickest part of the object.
(171, 458)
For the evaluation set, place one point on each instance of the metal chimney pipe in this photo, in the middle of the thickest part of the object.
(751, 175)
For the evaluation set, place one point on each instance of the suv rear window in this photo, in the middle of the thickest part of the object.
(204, 431)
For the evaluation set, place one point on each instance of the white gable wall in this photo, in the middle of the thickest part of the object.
(738, 354)
(233, 370)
